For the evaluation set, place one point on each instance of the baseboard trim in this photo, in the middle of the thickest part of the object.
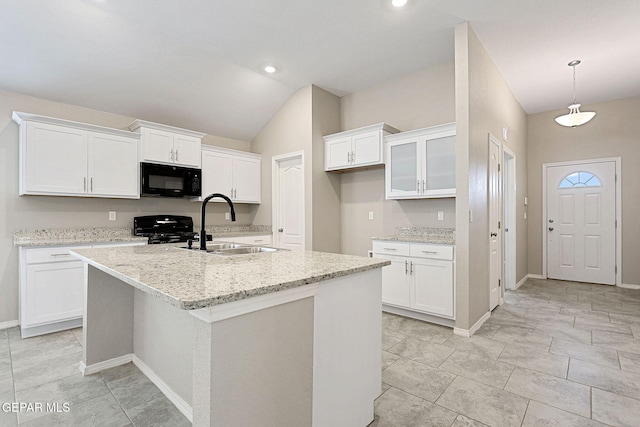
(535, 276)
(622, 285)
(418, 315)
(8, 324)
(178, 401)
(521, 282)
(468, 332)
(106, 364)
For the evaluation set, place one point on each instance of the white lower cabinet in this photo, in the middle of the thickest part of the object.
(52, 288)
(420, 277)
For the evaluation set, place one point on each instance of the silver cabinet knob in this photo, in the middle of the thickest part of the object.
(550, 228)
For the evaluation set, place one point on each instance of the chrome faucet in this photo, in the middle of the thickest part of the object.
(203, 232)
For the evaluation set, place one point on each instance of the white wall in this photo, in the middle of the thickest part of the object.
(29, 212)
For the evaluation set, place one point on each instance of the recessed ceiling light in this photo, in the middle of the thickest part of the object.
(270, 69)
(398, 3)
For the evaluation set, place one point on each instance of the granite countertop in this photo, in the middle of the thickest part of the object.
(422, 235)
(74, 236)
(191, 279)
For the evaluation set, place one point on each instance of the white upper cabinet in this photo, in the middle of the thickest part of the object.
(236, 174)
(167, 144)
(421, 163)
(356, 148)
(64, 158)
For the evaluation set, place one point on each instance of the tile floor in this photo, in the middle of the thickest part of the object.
(555, 354)
(45, 369)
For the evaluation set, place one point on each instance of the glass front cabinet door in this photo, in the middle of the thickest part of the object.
(421, 163)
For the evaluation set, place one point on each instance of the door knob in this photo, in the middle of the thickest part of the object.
(550, 228)
(494, 234)
(550, 221)
(280, 230)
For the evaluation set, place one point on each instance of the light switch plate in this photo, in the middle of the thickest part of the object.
(227, 216)
(370, 215)
(526, 200)
(112, 215)
(440, 215)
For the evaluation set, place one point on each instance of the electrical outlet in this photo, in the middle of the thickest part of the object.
(504, 134)
(471, 215)
(525, 215)
(112, 215)
(440, 215)
(370, 215)
(227, 216)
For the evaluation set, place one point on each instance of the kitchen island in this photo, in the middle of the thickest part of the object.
(282, 338)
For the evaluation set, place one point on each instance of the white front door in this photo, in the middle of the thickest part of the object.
(495, 241)
(580, 222)
(289, 203)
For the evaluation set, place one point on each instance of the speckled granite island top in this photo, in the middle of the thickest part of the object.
(191, 279)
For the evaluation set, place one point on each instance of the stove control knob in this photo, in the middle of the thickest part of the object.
(189, 243)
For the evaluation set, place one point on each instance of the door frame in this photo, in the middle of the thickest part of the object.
(509, 179)
(500, 219)
(618, 207)
(275, 193)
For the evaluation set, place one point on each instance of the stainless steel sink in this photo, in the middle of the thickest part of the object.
(229, 249)
(244, 250)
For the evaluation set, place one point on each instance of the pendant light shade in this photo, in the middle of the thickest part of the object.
(575, 117)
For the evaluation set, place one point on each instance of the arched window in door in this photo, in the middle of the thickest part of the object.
(580, 179)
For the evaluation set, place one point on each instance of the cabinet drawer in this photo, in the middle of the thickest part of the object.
(390, 248)
(432, 251)
(47, 255)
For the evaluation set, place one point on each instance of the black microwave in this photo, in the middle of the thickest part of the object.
(169, 181)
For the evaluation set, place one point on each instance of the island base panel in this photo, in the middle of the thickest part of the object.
(260, 369)
(108, 319)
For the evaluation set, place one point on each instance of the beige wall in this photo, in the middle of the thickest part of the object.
(614, 132)
(29, 212)
(326, 216)
(422, 99)
(299, 125)
(484, 104)
(289, 130)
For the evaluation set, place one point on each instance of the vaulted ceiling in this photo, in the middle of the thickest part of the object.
(199, 64)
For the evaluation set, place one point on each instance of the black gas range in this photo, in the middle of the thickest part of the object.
(164, 228)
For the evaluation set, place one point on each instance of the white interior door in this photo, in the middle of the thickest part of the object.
(580, 222)
(289, 203)
(495, 235)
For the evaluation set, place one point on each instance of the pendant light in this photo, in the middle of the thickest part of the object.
(575, 118)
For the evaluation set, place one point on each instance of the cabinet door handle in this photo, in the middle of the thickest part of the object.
(424, 185)
(411, 269)
(91, 184)
(171, 154)
(84, 184)
(259, 240)
(176, 154)
(390, 249)
(59, 254)
(353, 157)
(418, 189)
(406, 267)
(429, 252)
